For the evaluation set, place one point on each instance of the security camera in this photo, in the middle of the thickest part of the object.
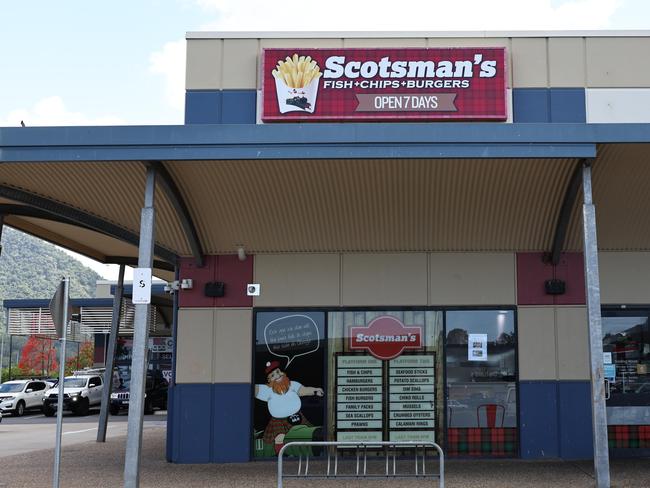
(253, 289)
(172, 287)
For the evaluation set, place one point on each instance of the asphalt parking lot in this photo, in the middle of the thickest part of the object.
(34, 431)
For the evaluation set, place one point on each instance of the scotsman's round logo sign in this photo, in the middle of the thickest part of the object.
(385, 337)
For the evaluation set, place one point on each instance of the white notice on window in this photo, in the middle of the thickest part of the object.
(477, 347)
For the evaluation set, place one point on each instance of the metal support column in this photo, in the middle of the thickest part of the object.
(592, 282)
(2, 346)
(110, 356)
(2, 224)
(140, 339)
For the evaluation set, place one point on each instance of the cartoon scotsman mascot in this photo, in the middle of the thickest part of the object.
(283, 400)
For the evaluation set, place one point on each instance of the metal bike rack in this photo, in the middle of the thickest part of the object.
(362, 464)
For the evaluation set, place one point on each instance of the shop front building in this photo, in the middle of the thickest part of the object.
(378, 237)
(402, 297)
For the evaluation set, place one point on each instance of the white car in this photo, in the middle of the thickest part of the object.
(80, 392)
(20, 395)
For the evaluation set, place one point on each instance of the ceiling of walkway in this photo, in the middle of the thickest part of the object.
(276, 206)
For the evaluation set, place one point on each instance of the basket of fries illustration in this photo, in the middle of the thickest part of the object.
(296, 83)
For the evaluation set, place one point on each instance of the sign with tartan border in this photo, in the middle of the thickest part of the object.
(399, 84)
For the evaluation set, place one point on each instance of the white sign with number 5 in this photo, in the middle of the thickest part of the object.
(141, 286)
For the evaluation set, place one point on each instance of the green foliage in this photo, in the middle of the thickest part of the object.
(32, 268)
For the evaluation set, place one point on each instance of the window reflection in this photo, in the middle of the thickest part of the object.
(626, 344)
(481, 393)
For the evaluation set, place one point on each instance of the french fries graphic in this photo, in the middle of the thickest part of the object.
(297, 71)
(296, 83)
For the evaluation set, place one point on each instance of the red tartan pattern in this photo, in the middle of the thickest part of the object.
(480, 441)
(485, 99)
(277, 426)
(629, 436)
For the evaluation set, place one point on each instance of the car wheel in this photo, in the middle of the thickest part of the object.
(48, 412)
(83, 407)
(20, 409)
(114, 410)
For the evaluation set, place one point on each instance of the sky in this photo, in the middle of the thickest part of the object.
(80, 62)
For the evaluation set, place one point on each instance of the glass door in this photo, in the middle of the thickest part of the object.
(626, 354)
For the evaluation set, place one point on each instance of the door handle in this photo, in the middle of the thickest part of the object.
(608, 390)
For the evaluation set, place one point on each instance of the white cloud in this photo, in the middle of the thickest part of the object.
(170, 63)
(410, 15)
(51, 111)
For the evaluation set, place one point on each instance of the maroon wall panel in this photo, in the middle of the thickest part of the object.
(531, 274)
(533, 271)
(236, 275)
(196, 297)
(570, 269)
(228, 268)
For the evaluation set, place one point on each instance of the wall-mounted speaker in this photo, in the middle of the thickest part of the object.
(555, 287)
(215, 289)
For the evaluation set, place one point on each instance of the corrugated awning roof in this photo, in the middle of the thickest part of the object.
(348, 204)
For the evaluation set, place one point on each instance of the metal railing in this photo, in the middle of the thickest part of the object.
(331, 471)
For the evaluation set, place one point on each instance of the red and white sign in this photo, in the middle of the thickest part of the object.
(385, 337)
(383, 84)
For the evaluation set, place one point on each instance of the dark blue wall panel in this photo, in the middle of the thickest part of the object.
(576, 437)
(203, 107)
(169, 446)
(220, 106)
(192, 418)
(530, 105)
(558, 105)
(238, 106)
(568, 105)
(231, 433)
(538, 419)
(209, 423)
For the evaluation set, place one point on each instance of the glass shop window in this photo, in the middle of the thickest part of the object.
(626, 350)
(385, 375)
(481, 382)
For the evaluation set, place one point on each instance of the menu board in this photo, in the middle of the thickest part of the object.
(359, 398)
(404, 411)
(411, 401)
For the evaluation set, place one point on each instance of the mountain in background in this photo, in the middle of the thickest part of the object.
(32, 268)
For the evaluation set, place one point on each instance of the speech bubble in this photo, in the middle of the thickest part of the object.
(292, 336)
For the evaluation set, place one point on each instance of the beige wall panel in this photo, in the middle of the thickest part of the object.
(468, 42)
(233, 342)
(194, 353)
(477, 42)
(290, 280)
(572, 343)
(618, 62)
(536, 337)
(566, 58)
(529, 62)
(240, 61)
(384, 279)
(624, 277)
(472, 279)
(203, 65)
(302, 43)
(395, 42)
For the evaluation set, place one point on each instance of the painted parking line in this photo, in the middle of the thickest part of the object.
(36, 417)
(79, 431)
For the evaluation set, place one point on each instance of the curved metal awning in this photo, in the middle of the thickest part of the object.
(323, 188)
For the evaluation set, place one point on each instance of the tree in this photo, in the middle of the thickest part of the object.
(38, 356)
(84, 359)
